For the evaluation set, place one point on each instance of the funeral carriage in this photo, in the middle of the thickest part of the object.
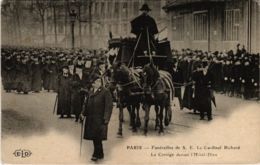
(131, 68)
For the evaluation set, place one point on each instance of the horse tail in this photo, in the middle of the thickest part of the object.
(167, 79)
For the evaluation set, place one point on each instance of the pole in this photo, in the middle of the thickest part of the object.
(72, 35)
(55, 104)
(132, 58)
(81, 134)
(149, 49)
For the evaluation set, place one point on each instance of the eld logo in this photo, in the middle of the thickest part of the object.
(22, 153)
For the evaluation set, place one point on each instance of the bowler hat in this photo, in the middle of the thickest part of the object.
(145, 7)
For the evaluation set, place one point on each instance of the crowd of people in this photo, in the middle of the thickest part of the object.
(234, 74)
(75, 73)
(33, 69)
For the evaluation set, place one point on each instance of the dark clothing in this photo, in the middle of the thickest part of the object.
(8, 74)
(203, 95)
(45, 74)
(98, 149)
(177, 82)
(36, 77)
(23, 78)
(144, 27)
(217, 72)
(141, 23)
(98, 110)
(227, 71)
(236, 76)
(64, 96)
(188, 100)
(77, 97)
(53, 75)
(247, 81)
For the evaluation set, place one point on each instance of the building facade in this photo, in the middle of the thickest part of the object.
(214, 25)
(95, 19)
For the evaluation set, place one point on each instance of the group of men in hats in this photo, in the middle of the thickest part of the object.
(27, 70)
(232, 73)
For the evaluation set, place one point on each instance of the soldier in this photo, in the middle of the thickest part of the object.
(227, 68)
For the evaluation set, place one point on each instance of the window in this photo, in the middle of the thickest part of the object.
(116, 10)
(109, 9)
(102, 9)
(231, 25)
(136, 8)
(178, 28)
(125, 10)
(200, 26)
(96, 8)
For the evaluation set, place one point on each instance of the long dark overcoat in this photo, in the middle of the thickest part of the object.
(64, 96)
(23, 78)
(98, 112)
(36, 77)
(202, 100)
(77, 97)
(53, 75)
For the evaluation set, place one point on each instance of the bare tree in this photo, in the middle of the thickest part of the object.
(41, 8)
(12, 10)
(53, 4)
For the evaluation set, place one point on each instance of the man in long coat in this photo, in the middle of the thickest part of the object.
(98, 110)
(23, 77)
(53, 75)
(203, 84)
(64, 95)
(8, 73)
(36, 75)
(77, 97)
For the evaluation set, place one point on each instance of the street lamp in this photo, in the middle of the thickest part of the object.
(73, 17)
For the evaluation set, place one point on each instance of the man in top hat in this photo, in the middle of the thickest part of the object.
(144, 27)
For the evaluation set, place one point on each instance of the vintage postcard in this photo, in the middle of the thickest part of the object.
(130, 81)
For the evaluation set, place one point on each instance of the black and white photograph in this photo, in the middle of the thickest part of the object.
(130, 81)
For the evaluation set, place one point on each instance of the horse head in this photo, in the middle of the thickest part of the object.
(150, 76)
(121, 74)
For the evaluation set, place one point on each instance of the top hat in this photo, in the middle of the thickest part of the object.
(145, 7)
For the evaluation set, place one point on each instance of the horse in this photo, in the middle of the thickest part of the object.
(158, 91)
(129, 95)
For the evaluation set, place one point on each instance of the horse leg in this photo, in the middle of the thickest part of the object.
(133, 119)
(130, 110)
(120, 129)
(161, 118)
(166, 117)
(146, 119)
(156, 108)
(138, 121)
